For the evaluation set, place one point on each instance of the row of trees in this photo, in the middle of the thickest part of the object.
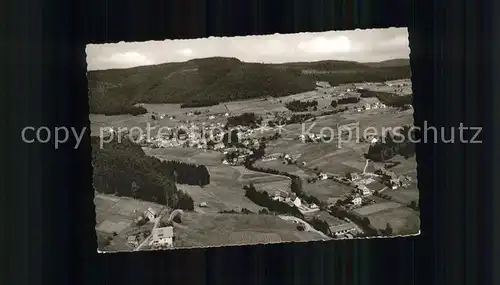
(245, 119)
(297, 188)
(263, 199)
(398, 142)
(343, 101)
(199, 103)
(117, 109)
(186, 173)
(394, 100)
(301, 106)
(320, 225)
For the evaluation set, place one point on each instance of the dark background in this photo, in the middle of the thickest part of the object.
(48, 216)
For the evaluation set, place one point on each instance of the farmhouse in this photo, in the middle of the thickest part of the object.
(343, 229)
(322, 176)
(280, 196)
(150, 214)
(356, 201)
(163, 237)
(363, 190)
(394, 183)
(297, 202)
(132, 240)
(353, 176)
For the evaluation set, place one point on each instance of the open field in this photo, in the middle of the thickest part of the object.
(280, 166)
(403, 220)
(389, 89)
(122, 121)
(326, 189)
(226, 229)
(224, 192)
(272, 187)
(119, 210)
(115, 215)
(258, 106)
(176, 110)
(403, 196)
(188, 155)
(331, 220)
(406, 166)
(340, 161)
(375, 208)
(223, 172)
(219, 196)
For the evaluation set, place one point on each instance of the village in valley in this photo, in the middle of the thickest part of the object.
(259, 170)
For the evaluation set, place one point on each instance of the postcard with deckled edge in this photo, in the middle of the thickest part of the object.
(252, 140)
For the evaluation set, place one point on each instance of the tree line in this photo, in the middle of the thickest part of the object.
(124, 169)
(392, 144)
(320, 225)
(199, 103)
(296, 185)
(301, 106)
(333, 112)
(394, 100)
(263, 199)
(245, 119)
(187, 173)
(343, 101)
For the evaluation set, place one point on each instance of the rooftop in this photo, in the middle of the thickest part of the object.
(165, 232)
(342, 227)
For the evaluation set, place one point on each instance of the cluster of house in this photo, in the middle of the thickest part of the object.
(293, 200)
(376, 105)
(147, 216)
(399, 83)
(311, 137)
(194, 136)
(392, 180)
(211, 117)
(236, 156)
(156, 116)
(360, 193)
(160, 236)
(189, 135)
(338, 228)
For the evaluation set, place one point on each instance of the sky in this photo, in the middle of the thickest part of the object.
(370, 45)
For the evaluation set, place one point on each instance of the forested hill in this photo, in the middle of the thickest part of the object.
(124, 169)
(220, 79)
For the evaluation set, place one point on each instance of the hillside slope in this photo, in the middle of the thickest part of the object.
(220, 79)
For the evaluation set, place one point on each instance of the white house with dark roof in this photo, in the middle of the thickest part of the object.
(163, 237)
(343, 229)
(150, 213)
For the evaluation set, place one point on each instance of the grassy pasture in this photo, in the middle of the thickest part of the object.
(226, 229)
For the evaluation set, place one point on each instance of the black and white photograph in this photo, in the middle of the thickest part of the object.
(225, 141)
